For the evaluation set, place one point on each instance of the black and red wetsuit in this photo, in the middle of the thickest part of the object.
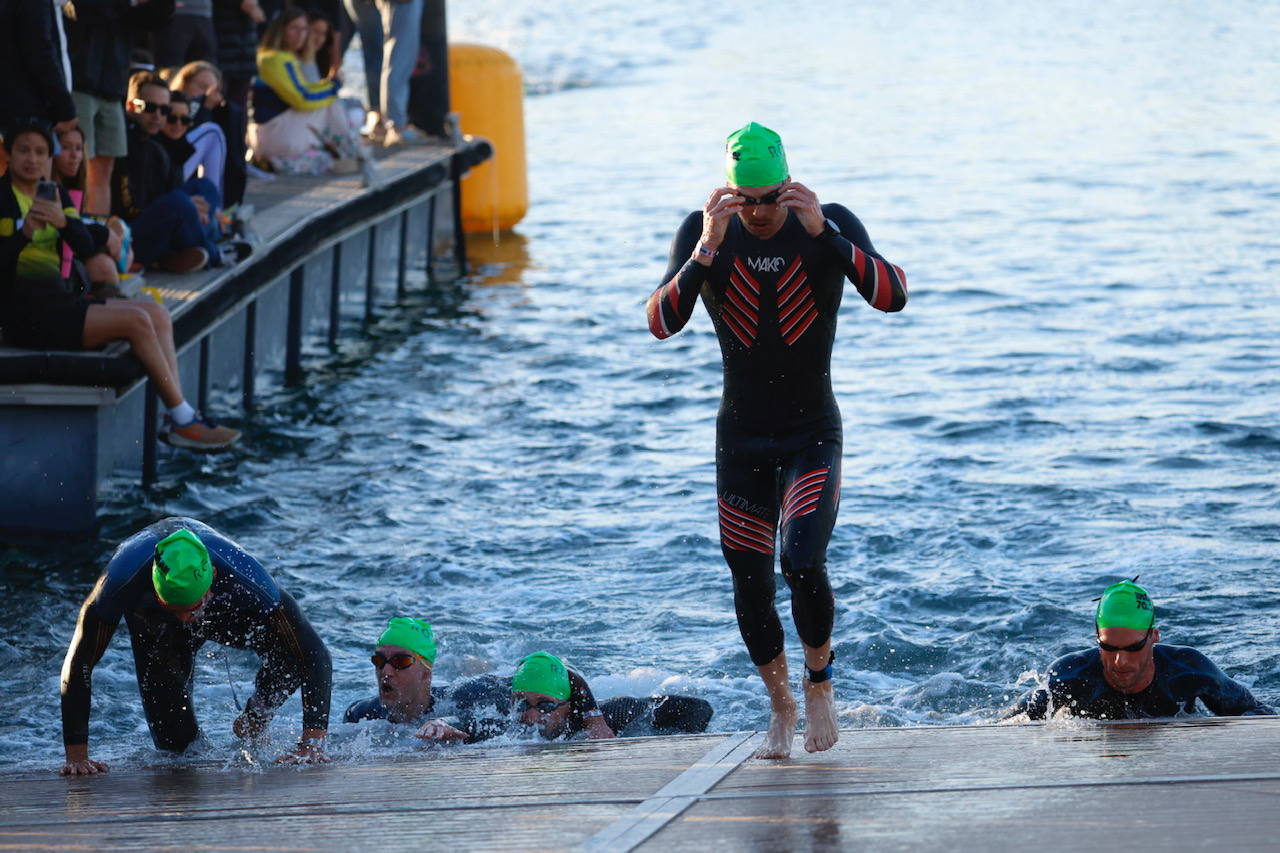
(773, 303)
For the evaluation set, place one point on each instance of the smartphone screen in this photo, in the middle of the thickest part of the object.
(47, 190)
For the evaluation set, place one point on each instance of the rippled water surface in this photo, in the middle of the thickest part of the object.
(1082, 388)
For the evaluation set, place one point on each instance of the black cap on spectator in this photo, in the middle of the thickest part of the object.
(28, 124)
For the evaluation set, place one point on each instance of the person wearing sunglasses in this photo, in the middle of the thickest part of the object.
(402, 664)
(1130, 674)
(174, 223)
(770, 262)
(194, 152)
(178, 584)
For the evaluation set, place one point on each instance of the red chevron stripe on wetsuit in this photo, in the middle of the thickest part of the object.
(802, 497)
(744, 532)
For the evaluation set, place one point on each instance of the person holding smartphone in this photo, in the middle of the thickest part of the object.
(37, 307)
(770, 262)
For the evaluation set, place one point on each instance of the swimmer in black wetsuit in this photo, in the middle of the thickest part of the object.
(770, 263)
(178, 583)
(1130, 677)
(546, 695)
(403, 662)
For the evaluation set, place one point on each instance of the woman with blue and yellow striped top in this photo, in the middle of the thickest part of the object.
(297, 126)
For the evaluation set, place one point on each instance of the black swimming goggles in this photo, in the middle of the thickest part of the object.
(546, 706)
(1132, 647)
(768, 198)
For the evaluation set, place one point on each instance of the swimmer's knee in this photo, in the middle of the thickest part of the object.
(804, 573)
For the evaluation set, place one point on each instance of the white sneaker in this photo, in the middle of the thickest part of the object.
(408, 135)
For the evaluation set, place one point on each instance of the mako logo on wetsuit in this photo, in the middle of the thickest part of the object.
(766, 264)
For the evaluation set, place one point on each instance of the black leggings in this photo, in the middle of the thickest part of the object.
(758, 493)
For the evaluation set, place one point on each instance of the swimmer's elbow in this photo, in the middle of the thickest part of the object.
(659, 327)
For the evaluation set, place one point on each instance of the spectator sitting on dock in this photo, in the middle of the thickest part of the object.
(1130, 675)
(298, 127)
(201, 82)
(194, 151)
(321, 59)
(100, 273)
(174, 225)
(39, 311)
(177, 584)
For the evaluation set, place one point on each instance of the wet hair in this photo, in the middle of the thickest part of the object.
(273, 36)
(139, 79)
(28, 124)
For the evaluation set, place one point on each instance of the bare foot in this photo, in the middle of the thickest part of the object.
(820, 728)
(782, 728)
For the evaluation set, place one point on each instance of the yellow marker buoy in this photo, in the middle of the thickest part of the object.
(486, 90)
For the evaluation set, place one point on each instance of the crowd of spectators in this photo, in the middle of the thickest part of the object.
(130, 130)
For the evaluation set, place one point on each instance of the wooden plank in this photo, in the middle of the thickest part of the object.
(528, 797)
(1176, 785)
(665, 805)
(1168, 785)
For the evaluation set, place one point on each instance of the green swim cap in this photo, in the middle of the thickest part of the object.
(180, 571)
(1125, 605)
(412, 634)
(542, 672)
(753, 157)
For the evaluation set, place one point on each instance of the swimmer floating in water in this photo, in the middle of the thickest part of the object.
(1131, 675)
(770, 263)
(556, 701)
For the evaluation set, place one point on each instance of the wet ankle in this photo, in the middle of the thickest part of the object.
(819, 676)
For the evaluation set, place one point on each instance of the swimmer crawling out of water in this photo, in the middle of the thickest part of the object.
(1131, 674)
(178, 584)
(769, 262)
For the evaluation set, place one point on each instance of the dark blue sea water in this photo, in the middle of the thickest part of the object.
(1083, 387)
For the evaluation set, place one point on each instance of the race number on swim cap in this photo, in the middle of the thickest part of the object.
(1125, 605)
(542, 672)
(412, 634)
(753, 157)
(181, 572)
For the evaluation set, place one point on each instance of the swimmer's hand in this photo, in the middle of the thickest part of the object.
(804, 201)
(309, 750)
(722, 205)
(79, 764)
(251, 723)
(439, 730)
(598, 729)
